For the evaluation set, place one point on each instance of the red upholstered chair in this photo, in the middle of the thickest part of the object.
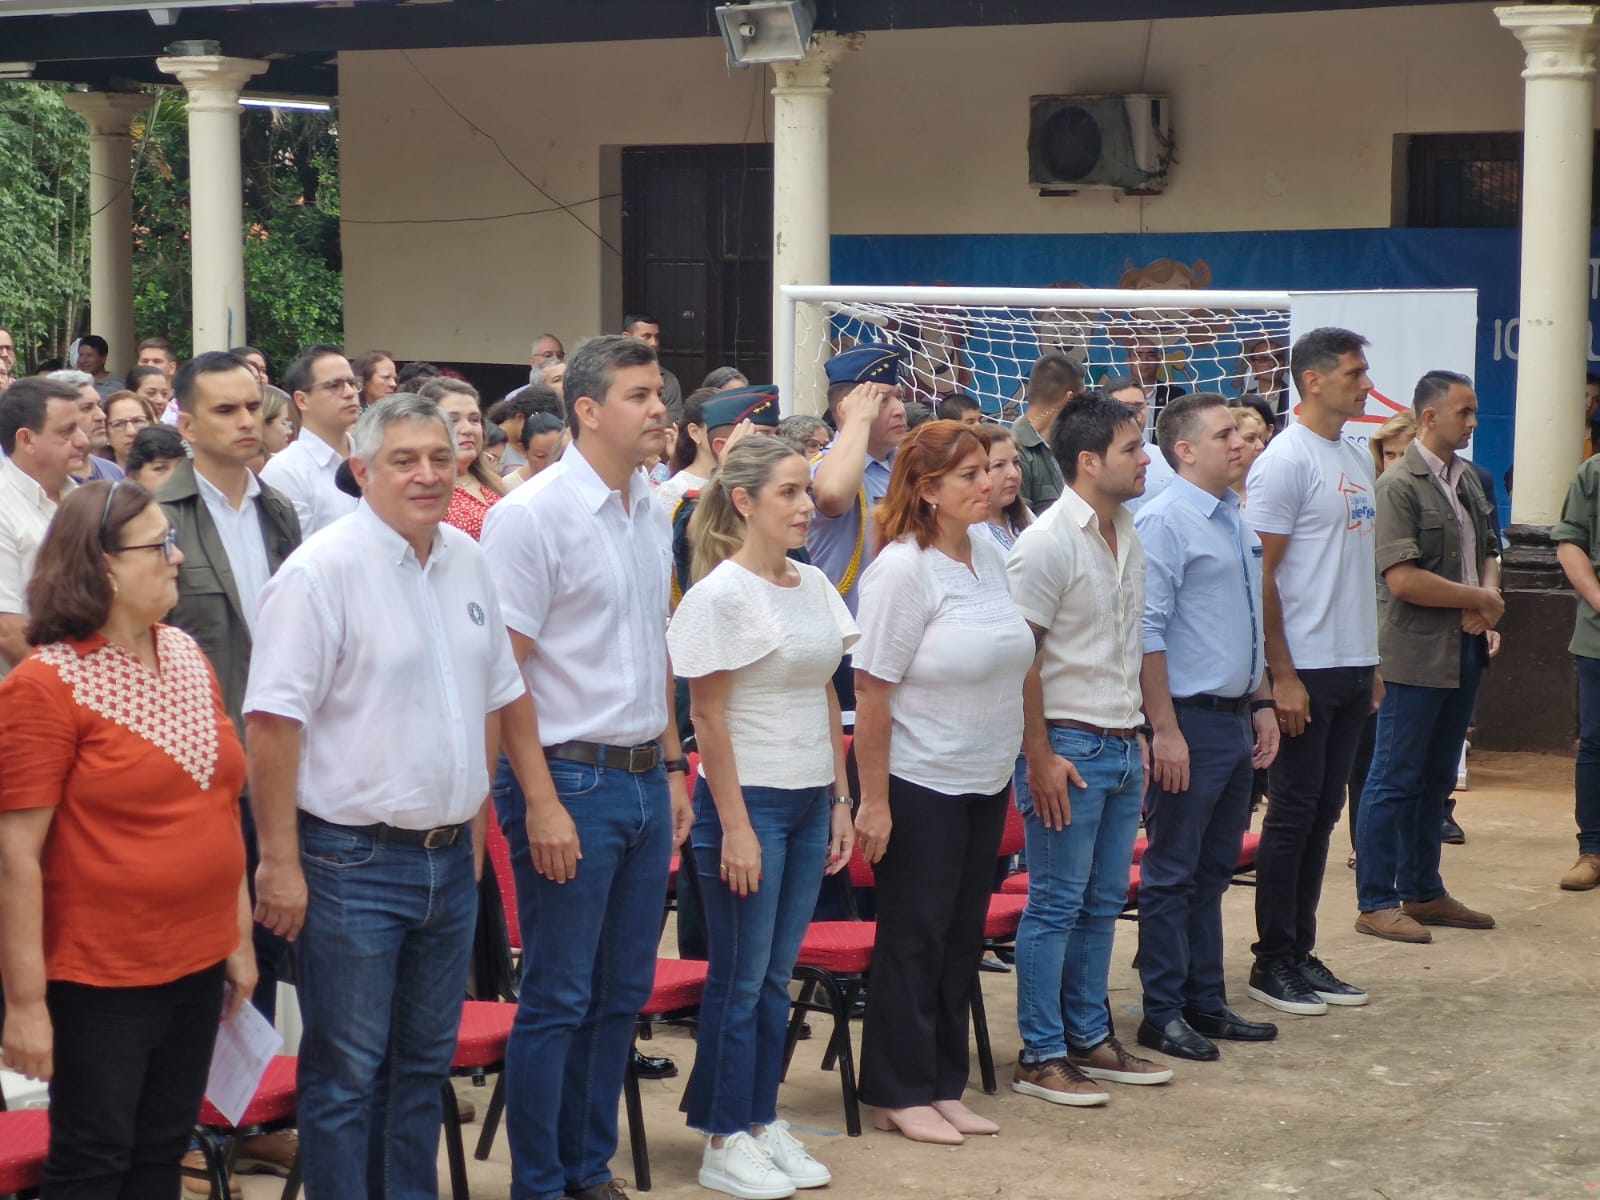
(480, 1052)
(271, 1109)
(1245, 871)
(24, 1142)
(680, 986)
(500, 860)
(834, 959)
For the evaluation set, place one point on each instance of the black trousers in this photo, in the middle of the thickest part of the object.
(130, 1072)
(1305, 794)
(933, 882)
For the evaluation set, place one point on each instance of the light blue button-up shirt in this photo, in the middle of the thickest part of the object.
(1202, 598)
(831, 541)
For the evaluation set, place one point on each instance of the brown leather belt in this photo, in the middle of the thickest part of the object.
(636, 760)
(1097, 730)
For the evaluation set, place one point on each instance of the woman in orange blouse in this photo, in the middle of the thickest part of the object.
(123, 909)
(477, 486)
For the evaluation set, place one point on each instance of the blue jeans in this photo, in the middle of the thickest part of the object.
(1077, 884)
(753, 941)
(1194, 846)
(589, 959)
(1587, 776)
(382, 968)
(1414, 759)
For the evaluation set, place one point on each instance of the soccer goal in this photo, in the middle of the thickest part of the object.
(983, 341)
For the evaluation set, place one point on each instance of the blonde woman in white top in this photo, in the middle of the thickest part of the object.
(758, 636)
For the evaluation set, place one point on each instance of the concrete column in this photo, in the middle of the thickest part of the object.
(1558, 154)
(800, 226)
(216, 189)
(110, 116)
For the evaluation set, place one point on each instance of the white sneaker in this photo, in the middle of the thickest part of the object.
(742, 1168)
(791, 1157)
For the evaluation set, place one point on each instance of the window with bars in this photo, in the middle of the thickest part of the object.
(1468, 180)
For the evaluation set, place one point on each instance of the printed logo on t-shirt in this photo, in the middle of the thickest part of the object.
(1359, 511)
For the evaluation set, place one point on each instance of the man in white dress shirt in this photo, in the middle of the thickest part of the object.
(1077, 575)
(370, 723)
(582, 557)
(43, 444)
(328, 395)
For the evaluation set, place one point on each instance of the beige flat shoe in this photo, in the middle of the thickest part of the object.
(920, 1124)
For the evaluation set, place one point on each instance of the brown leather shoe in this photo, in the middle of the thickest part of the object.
(1585, 874)
(1446, 910)
(199, 1183)
(1392, 925)
(1057, 1081)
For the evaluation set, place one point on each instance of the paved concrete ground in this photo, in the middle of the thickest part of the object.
(1474, 1074)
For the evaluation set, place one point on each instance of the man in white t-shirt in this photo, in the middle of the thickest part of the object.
(1312, 503)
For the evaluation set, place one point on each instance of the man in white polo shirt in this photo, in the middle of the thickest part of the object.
(387, 676)
(1077, 575)
(582, 556)
(43, 444)
(328, 395)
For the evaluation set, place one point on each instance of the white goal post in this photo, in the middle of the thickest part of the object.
(981, 341)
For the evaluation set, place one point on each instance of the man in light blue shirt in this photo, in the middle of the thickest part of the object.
(852, 475)
(1210, 709)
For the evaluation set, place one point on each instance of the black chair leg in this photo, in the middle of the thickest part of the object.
(454, 1150)
(491, 1118)
(801, 1006)
(291, 1185)
(636, 1139)
(980, 1034)
(839, 1050)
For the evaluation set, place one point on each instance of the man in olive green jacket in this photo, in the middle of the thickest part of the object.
(1438, 597)
(235, 533)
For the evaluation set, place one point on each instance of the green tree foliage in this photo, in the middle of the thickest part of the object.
(293, 286)
(44, 239)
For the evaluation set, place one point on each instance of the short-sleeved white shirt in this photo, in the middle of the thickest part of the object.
(956, 649)
(1320, 494)
(304, 472)
(782, 645)
(589, 583)
(1091, 607)
(25, 515)
(391, 668)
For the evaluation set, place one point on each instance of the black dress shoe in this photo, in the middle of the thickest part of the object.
(1230, 1026)
(1452, 834)
(646, 1067)
(1177, 1039)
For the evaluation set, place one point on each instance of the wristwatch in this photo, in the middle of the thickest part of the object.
(841, 800)
(680, 765)
(1257, 705)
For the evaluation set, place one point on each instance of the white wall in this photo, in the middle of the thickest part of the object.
(1281, 122)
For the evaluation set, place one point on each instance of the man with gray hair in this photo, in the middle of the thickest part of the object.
(92, 420)
(370, 812)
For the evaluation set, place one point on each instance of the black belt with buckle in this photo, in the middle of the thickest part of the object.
(1222, 704)
(437, 838)
(635, 760)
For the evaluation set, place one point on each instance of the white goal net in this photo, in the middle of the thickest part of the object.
(982, 342)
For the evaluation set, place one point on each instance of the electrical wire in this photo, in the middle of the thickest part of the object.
(506, 158)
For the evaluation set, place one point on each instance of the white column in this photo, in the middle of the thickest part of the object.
(800, 226)
(216, 190)
(1557, 160)
(110, 116)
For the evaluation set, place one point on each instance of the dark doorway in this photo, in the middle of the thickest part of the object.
(697, 254)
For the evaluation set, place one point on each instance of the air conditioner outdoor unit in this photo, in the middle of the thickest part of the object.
(1119, 143)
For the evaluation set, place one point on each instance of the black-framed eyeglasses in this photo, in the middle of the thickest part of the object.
(166, 545)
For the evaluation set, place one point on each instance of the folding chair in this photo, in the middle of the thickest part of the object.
(272, 1108)
(24, 1143)
(679, 987)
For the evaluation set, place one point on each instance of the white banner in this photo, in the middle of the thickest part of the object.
(1411, 333)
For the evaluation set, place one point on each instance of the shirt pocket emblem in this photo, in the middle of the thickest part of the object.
(475, 611)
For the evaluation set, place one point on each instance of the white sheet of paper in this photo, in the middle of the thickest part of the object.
(245, 1046)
